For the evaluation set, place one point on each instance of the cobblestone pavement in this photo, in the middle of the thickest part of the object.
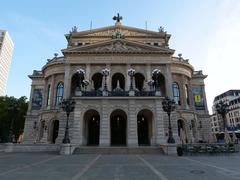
(35, 166)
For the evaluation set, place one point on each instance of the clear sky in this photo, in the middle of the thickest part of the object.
(206, 32)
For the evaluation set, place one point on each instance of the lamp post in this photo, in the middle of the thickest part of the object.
(156, 73)
(81, 74)
(169, 106)
(131, 73)
(68, 107)
(13, 110)
(85, 83)
(222, 109)
(105, 73)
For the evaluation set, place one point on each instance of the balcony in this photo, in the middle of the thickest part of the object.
(115, 93)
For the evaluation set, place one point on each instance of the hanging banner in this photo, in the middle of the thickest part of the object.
(198, 98)
(37, 99)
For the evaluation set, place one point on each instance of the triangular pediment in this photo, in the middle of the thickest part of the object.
(126, 30)
(118, 46)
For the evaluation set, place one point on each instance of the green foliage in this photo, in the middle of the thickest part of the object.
(6, 116)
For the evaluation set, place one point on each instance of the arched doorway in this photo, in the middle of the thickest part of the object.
(139, 81)
(55, 131)
(118, 123)
(92, 127)
(144, 127)
(118, 79)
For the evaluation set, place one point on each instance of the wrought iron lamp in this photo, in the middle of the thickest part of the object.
(68, 107)
(156, 73)
(81, 74)
(131, 73)
(168, 106)
(105, 73)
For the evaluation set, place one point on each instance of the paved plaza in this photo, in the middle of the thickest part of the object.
(23, 166)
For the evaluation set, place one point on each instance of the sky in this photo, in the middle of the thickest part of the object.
(206, 32)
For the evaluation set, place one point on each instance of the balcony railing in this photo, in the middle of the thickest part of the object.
(99, 93)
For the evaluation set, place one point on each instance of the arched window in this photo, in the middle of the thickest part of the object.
(176, 93)
(59, 93)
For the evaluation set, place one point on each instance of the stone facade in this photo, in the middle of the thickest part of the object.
(115, 107)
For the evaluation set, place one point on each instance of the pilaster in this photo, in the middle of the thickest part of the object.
(132, 138)
(168, 81)
(67, 81)
(159, 123)
(105, 125)
(76, 129)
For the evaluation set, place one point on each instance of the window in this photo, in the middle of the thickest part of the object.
(186, 93)
(48, 95)
(176, 93)
(59, 93)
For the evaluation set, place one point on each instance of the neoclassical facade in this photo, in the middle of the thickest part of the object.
(118, 77)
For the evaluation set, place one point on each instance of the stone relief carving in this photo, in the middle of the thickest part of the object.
(118, 47)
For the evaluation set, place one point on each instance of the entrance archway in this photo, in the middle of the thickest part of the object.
(55, 131)
(92, 127)
(118, 123)
(144, 127)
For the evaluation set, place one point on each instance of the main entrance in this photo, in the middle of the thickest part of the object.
(92, 127)
(144, 127)
(118, 128)
(143, 137)
(55, 131)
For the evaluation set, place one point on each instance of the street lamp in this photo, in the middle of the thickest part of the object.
(156, 73)
(222, 109)
(81, 73)
(169, 106)
(131, 73)
(13, 110)
(68, 107)
(105, 73)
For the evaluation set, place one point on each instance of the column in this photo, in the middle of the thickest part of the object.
(87, 75)
(76, 125)
(109, 83)
(148, 76)
(30, 98)
(132, 138)
(105, 125)
(168, 81)
(127, 86)
(67, 81)
(52, 92)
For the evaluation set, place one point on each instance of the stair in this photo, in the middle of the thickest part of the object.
(117, 150)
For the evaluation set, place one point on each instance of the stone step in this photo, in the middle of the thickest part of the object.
(117, 150)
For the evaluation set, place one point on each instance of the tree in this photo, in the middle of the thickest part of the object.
(6, 116)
